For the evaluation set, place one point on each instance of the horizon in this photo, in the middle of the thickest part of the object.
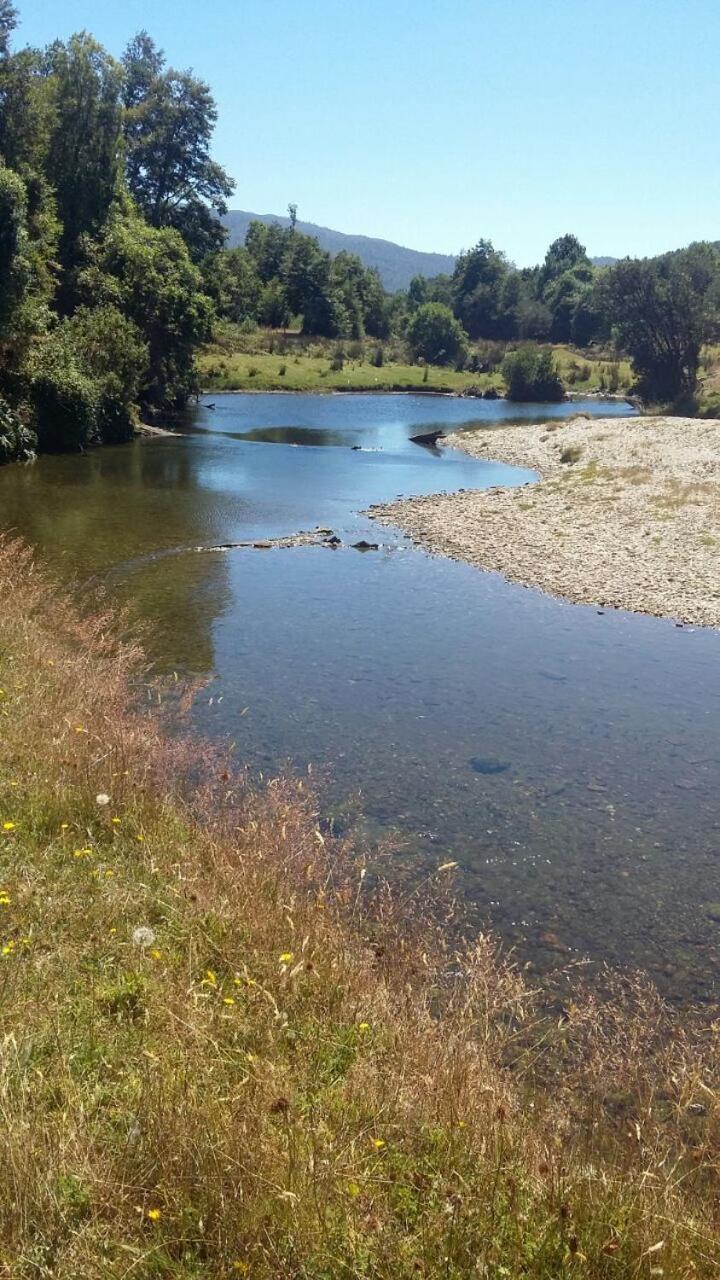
(581, 144)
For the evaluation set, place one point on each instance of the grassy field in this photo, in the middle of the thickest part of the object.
(271, 361)
(224, 1055)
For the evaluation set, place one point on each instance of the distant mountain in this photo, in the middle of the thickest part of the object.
(604, 262)
(395, 264)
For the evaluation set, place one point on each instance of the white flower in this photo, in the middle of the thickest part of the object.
(143, 936)
(102, 799)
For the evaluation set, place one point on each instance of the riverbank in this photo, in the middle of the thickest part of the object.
(626, 514)
(226, 1055)
(272, 360)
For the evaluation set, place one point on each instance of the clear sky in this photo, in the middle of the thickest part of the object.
(436, 122)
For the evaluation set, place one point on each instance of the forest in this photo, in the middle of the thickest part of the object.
(113, 270)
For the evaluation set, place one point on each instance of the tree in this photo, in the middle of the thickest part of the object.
(662, 311)
(85, 146)
(168, 125)
(564, 254)
(531, 375)
(478, 281)
(435, 335)
(231, 280)
(8, 23)
(148, 275)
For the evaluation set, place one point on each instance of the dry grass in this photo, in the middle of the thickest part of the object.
(283, 1076)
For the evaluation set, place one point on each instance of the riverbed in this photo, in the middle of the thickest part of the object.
(567, 759)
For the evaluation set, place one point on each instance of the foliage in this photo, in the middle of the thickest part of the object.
(111, 351)
(101, 307)
(64, 396)
(435, 335)
(663, 310)
(168, 125)
(478, 292)
(531, 374)
(16, 440)
(147, 274)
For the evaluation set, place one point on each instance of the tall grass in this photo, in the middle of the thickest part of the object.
(222, 1054)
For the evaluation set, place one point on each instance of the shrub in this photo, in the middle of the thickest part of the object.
(435, 335)
(530, 373)
(16, 440)
(282, 370)
(378, 358)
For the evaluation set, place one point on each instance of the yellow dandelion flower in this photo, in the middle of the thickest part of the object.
(210, 978)
(80, 729)
(112, 930)
(8, 948)
(154, 1215)
(242, 1268)
(228, 1000)
(237, 981)
(287, 957)
(156, 955)
(353, 1189)
(378, 1143)
(116, 821)
(8, 826)
(109, 873)
(363, 1026)
(140, 838)
(64, 826)
(5, 898)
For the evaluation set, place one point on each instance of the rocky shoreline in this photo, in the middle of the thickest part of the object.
(626, 513)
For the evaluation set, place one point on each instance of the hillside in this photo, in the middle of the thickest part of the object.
(395, 264)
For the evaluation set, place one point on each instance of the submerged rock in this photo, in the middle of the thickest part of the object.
(488, 765)
(362, 545)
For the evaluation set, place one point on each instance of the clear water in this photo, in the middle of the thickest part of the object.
(568, 760)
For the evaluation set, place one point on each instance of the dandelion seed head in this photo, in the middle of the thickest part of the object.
(143, 936)
(102, 799)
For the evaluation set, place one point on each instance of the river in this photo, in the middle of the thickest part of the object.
(567, 759)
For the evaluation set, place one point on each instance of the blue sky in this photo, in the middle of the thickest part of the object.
(435, 122)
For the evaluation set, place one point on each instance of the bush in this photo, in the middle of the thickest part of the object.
(531, 374)
(378, 358)
(16, 440)
(435, 335)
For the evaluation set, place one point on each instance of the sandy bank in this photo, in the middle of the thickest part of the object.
(626, 513)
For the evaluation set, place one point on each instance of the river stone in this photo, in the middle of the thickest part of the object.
(488, 765)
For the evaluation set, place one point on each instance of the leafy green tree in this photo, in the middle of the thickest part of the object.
(273, 309)
(168, 126)
(531, 374)
(435, 335)
(28, 238)
(8, 23)
(110, 350)
(479, 279)
(147, 273)
(231, 280)
(662, 311)
(565, 254)
(63, 394)
(562, 297)
(84, 160)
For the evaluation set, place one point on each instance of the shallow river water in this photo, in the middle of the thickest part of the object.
(568, 760)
